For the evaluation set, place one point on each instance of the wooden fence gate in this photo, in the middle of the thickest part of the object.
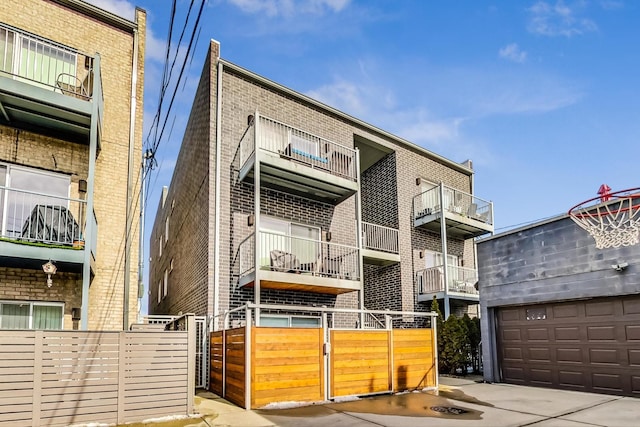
(253, 366)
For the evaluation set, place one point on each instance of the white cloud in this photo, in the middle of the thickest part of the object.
(122, 8)
(289, 8)
(513, 53)
(559, 19)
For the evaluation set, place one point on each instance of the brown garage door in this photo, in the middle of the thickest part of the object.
(588, 345)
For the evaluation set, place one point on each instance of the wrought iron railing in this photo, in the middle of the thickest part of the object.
(300, 256)
(297, 145)
(37, 217)
(461, 280)
(455, 201)
(44, 63)
(379, 238)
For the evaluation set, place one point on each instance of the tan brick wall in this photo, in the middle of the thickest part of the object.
(88, 35)
(28, 285)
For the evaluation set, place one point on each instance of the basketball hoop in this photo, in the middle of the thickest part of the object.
(612, 219)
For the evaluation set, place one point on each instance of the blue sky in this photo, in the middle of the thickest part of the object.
(543, 96)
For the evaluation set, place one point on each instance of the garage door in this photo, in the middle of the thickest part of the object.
(589, 345)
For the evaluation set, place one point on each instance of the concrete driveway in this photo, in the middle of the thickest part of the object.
(460, 402)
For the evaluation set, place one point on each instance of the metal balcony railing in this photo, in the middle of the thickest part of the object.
(296, 145)
(461, 280)
(379, 238)
(37, 217)
(455, 201)
(299, 256)
(44, 63)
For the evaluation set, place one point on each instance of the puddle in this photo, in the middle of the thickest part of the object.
(458, 394)
(409, 405)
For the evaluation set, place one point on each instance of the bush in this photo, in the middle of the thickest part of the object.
(458, 342)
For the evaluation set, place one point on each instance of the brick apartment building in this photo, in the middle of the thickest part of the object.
(71, 87)
(277, 198)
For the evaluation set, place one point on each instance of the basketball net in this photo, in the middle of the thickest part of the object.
(613, 219)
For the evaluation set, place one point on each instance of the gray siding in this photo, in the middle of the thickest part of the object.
(548, 262)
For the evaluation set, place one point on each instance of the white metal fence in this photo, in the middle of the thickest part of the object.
(297, 145)
(201, 342)
(461, 280)
(379, 238)
(289, 254)
(44, 63)
(454, 201)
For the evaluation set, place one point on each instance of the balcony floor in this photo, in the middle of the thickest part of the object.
(374, 257)
(428, 296)
(26, 106)
(457, 225)
(304, 282)
(300, 179)
(18, 255)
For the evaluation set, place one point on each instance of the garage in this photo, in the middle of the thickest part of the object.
(585, 345)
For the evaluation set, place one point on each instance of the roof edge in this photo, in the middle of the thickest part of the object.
(100, 14)
(438, 158)
(523, 228)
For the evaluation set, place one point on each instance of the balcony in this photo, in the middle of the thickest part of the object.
(465, 215)
(38, 227)
(299, 264)
(461, 283)
(296, 162)
(379, 244)
(46, 87)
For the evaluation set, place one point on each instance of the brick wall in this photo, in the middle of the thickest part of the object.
(187, 204)
(388, 189)
(89, 35)
(30, 285)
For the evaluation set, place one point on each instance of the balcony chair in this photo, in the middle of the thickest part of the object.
(72, 85)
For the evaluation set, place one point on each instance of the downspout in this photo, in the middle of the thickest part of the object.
(143, 192)
(129, 209)
(216, 246)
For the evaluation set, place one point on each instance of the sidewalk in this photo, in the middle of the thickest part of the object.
(460, 402)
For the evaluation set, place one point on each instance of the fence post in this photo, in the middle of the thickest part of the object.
(37, 377)
(247, 358)
(191, 365)
(122, 351)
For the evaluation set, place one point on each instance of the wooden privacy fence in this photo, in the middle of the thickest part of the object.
(57, 378)
(253, 366)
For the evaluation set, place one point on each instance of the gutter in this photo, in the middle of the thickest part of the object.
(100, 14)
(129, 207)
(216, 246)
(400, 141)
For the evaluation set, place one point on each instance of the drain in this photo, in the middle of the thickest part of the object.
(452, 410)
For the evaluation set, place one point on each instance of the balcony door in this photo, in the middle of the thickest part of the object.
(37, 61)
(431, 196)
(24, 191)
(300, 242)
(435, 259)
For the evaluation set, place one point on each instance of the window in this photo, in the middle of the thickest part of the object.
(159, 291)
(31, 315)
(25, 190)
(165, 289)
(160, 244)
(166, 230)
(285, 321)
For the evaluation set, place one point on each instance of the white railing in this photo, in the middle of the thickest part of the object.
(246, 256)
(41, 62)
(461, 280)
(37, 217)
(455, 201)
(300, 256)
(297, 145)
(379, 238)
